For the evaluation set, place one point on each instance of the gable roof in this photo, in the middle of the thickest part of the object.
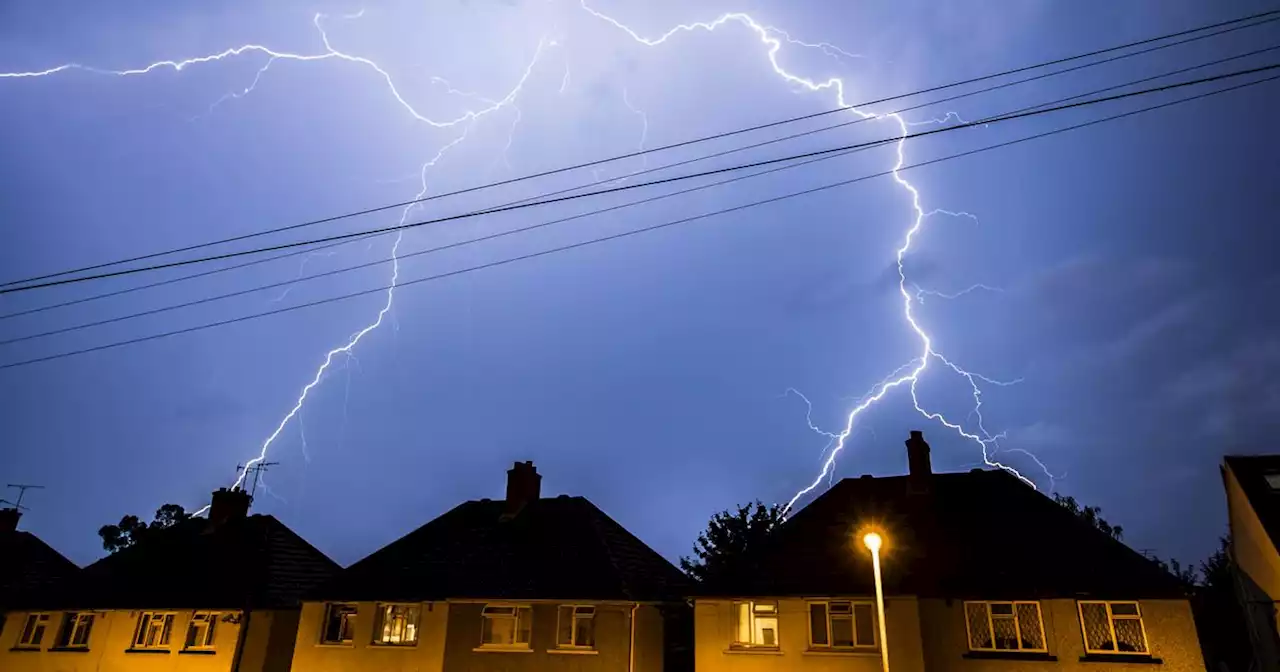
(981, 534)
(251, 562)
(28, 565)
(1251, 472)
(554, 548)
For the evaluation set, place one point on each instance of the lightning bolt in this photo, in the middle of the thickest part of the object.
(910, 373)
(465, 121)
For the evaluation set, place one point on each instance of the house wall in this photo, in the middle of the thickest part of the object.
(309, 655)
(713, 633)
(1251, 546)
(612, 635)
(1171, 636)
(111, 637)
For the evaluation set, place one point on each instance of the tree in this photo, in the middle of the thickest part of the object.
(1091, 515)
(729, 536)
(130, 530)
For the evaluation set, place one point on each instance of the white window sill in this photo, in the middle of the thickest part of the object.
(502, 649)
(575, 652)
(850, 653)
(756, 651)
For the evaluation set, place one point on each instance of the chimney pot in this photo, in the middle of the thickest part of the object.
(524, 485)
(918, 468)
(228, 505)
(9, 519)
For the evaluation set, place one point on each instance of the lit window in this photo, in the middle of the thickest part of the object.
(76, 627)
(505, 626)
(842, 625)
(1004, 626)
(1112, 627)
(33, 631)
(755, 625)
(200, 630)
(153, 630)
(396, 624)
(339, 624)
(576, 628)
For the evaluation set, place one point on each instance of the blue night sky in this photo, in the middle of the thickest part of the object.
(1134, 261)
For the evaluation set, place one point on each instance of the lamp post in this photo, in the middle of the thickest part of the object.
(873, 541)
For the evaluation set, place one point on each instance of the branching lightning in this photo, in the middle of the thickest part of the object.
(773, 40)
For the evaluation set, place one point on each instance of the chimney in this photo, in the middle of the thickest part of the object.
(228, 505)
(524, 485)
(9, 519)
(918, 468)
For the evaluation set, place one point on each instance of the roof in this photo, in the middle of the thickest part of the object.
(27, 565)
(251, 562)
(1251, 472)
(554, 548)
(980, 534)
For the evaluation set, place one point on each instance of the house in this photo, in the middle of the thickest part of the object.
(215, 594)
(522, 583)
(980, 572)
(27, 564)
(1252, 484)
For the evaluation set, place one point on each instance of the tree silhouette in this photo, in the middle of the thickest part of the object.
(729, 536)
(130, 530)
(1091, 515)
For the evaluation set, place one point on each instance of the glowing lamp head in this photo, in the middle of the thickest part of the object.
(872, 541)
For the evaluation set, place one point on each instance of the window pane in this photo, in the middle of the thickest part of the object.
(1124, 609)
(1097, 629)
(742, 622)
(841, 608)
(584, 632)
(339, 624)
(979, 629)
(564, 634)
(1001, 609)
(1029, 626)
(84, 624)
(1129, 635)
(818, 624)
(766, 631)
(865, 621)
(841, 630)
(499, 631)
(525, 615)
(765, 607)
(1002, 628)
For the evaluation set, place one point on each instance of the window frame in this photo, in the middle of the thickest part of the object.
(37, 621)
(142, 630)
(379, 623)
(350, 616)
(751, 612)
(72, 623)
(1111, 623)
(210, 619)
(573, 644)
(1017, 626)
(517, 612)
(853, 622)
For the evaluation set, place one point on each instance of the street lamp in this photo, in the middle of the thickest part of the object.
(873, 541)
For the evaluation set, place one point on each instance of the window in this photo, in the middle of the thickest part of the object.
(576, 628)
(153, 630)
(1112, 627)
(33, 631)
(396, 624)
(505, 626)
(339, 624)
(76, 627)
(842, 625)
(1004, 626)
(755, 625)
(200, 630)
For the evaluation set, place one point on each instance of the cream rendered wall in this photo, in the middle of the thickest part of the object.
(713, 633)
(309, 655)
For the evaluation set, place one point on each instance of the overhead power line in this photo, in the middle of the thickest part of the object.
(629, 155)
(633, 232)
(293, 253)
(572, 197)
(501, 234)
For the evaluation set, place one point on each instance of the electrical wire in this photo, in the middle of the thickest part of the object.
(644, 152)
(633, 232)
